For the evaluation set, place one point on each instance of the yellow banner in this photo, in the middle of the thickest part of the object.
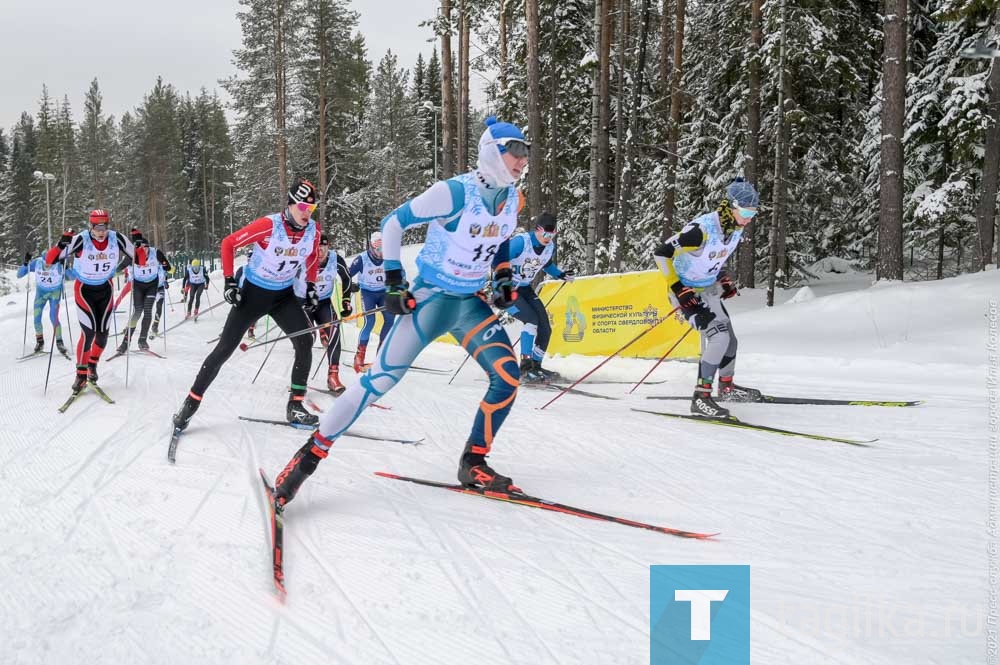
(598, 315)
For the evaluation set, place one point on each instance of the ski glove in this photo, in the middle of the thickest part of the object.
(27, 257)
(398, 299)
(568, 275)
(232, 293)
(311, 303)
(504, 293)
(346, 308)
(701, 317)
(65, 240)
(687, 298)
(728, 285)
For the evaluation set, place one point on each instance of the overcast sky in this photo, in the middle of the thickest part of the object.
(126, 44)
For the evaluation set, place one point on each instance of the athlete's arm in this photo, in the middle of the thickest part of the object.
(56, 254)
(312, 263)
(443, 202)
(687, 239)
(345, 275)
(162, 258)
(259, 229)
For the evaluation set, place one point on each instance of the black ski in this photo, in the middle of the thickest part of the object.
(175, 438)
(534, 502)
(277, 515)
(137, 352)
(310, 428)
(771, 399)
(34, 354)
(732, 421)
(555, 387)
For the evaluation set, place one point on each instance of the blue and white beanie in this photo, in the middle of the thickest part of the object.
(742, 193)
(490, 163)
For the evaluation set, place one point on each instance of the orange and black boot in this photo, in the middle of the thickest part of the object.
(333, 380)
(473, 471)
(80, 382)
(296, 412)
(702, 403)
(359, 358)
(92, 371)
(730, 392)
(300, 467)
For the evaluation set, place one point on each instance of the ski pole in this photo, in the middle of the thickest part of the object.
(261, 368)
(306, 331)
(209, 301)
(128, 336)
(334, 338)
(662, 358)
(606, 360)
(69, 327)
(52, 346)
(27, 297)
(546, 305)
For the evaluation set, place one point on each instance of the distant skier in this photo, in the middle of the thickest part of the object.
(145, 281)
(469, 218)
(96, 254)
(693, 260)
(530, 252)
(195, 281)
(369, 268)
(284, 241)
(330, 268)
(48, 290)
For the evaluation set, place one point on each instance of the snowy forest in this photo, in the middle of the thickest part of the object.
(870, 128)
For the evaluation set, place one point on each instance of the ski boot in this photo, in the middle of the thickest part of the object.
(61, 348)
(123, 347)
(196, 316)
(297, 414)
(92, 372)
(547, 373)
(39, 344)
(80, 382)
(529, 371)
(333, 380)
(730, 392)
(156, 328)
(143, 344)
(183, 416)
(250, 334)
(188, 315)
(300, 467)
(702, 403)
(359, 358)
(473, 471)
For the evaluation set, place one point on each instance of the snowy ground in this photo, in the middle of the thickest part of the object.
(108, 554)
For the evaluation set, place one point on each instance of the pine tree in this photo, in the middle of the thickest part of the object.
(96, 148)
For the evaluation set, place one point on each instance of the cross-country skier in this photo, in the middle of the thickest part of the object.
(284, 242)
(469, 218)
(530, 252)
(195, 281)
(368, 266)
(96, 254)
(330, 268)
(48, 290)
(145, 280)
(693, 260)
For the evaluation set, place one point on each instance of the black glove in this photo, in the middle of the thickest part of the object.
(232, 293)
(701, 317)
(687, 298)
(398, 299)
(65, 240)
(166, 285)
(311, 303)
(27, 257)
(346, 308)
(568, 275)
(728, 285)
(504, 293)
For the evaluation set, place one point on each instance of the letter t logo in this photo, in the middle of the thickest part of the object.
(701, 609)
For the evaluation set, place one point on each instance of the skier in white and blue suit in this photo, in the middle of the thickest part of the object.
(470, 218)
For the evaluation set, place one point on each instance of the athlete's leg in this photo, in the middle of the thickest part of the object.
(291, 318)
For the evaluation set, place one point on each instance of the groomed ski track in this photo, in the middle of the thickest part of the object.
(109, 554)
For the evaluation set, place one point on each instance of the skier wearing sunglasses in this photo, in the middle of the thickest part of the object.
(694, 260)
(470, 218)
(283, 242)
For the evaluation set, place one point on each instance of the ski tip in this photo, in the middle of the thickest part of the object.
(385, 474)
(265, 479)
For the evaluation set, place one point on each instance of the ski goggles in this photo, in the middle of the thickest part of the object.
(545, 234)
(306, 207)
(103, 226)
(744, 213)
(516, 147)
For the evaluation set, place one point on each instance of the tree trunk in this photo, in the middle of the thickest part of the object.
(600, 9)
(279, 99)
(553, 137)
(745, 257)
(534, 111)
(447, 101)
(625, 200)
(674, 128)
(463, 85)
(321, 156)
(624, 35)
(777, 217)
(503, 49)
(666, 34)
(889, 262)
(204, 198)
(604, 136)
(987, 207)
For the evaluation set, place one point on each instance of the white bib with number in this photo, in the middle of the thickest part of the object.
(275, 268)
(48, 278)
(148, 272)
(96, 266)
(458, 256)
(372, 277)
(527, 264)
(701, 267)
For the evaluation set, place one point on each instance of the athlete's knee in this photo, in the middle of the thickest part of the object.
(505, 377)
(302, 343)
